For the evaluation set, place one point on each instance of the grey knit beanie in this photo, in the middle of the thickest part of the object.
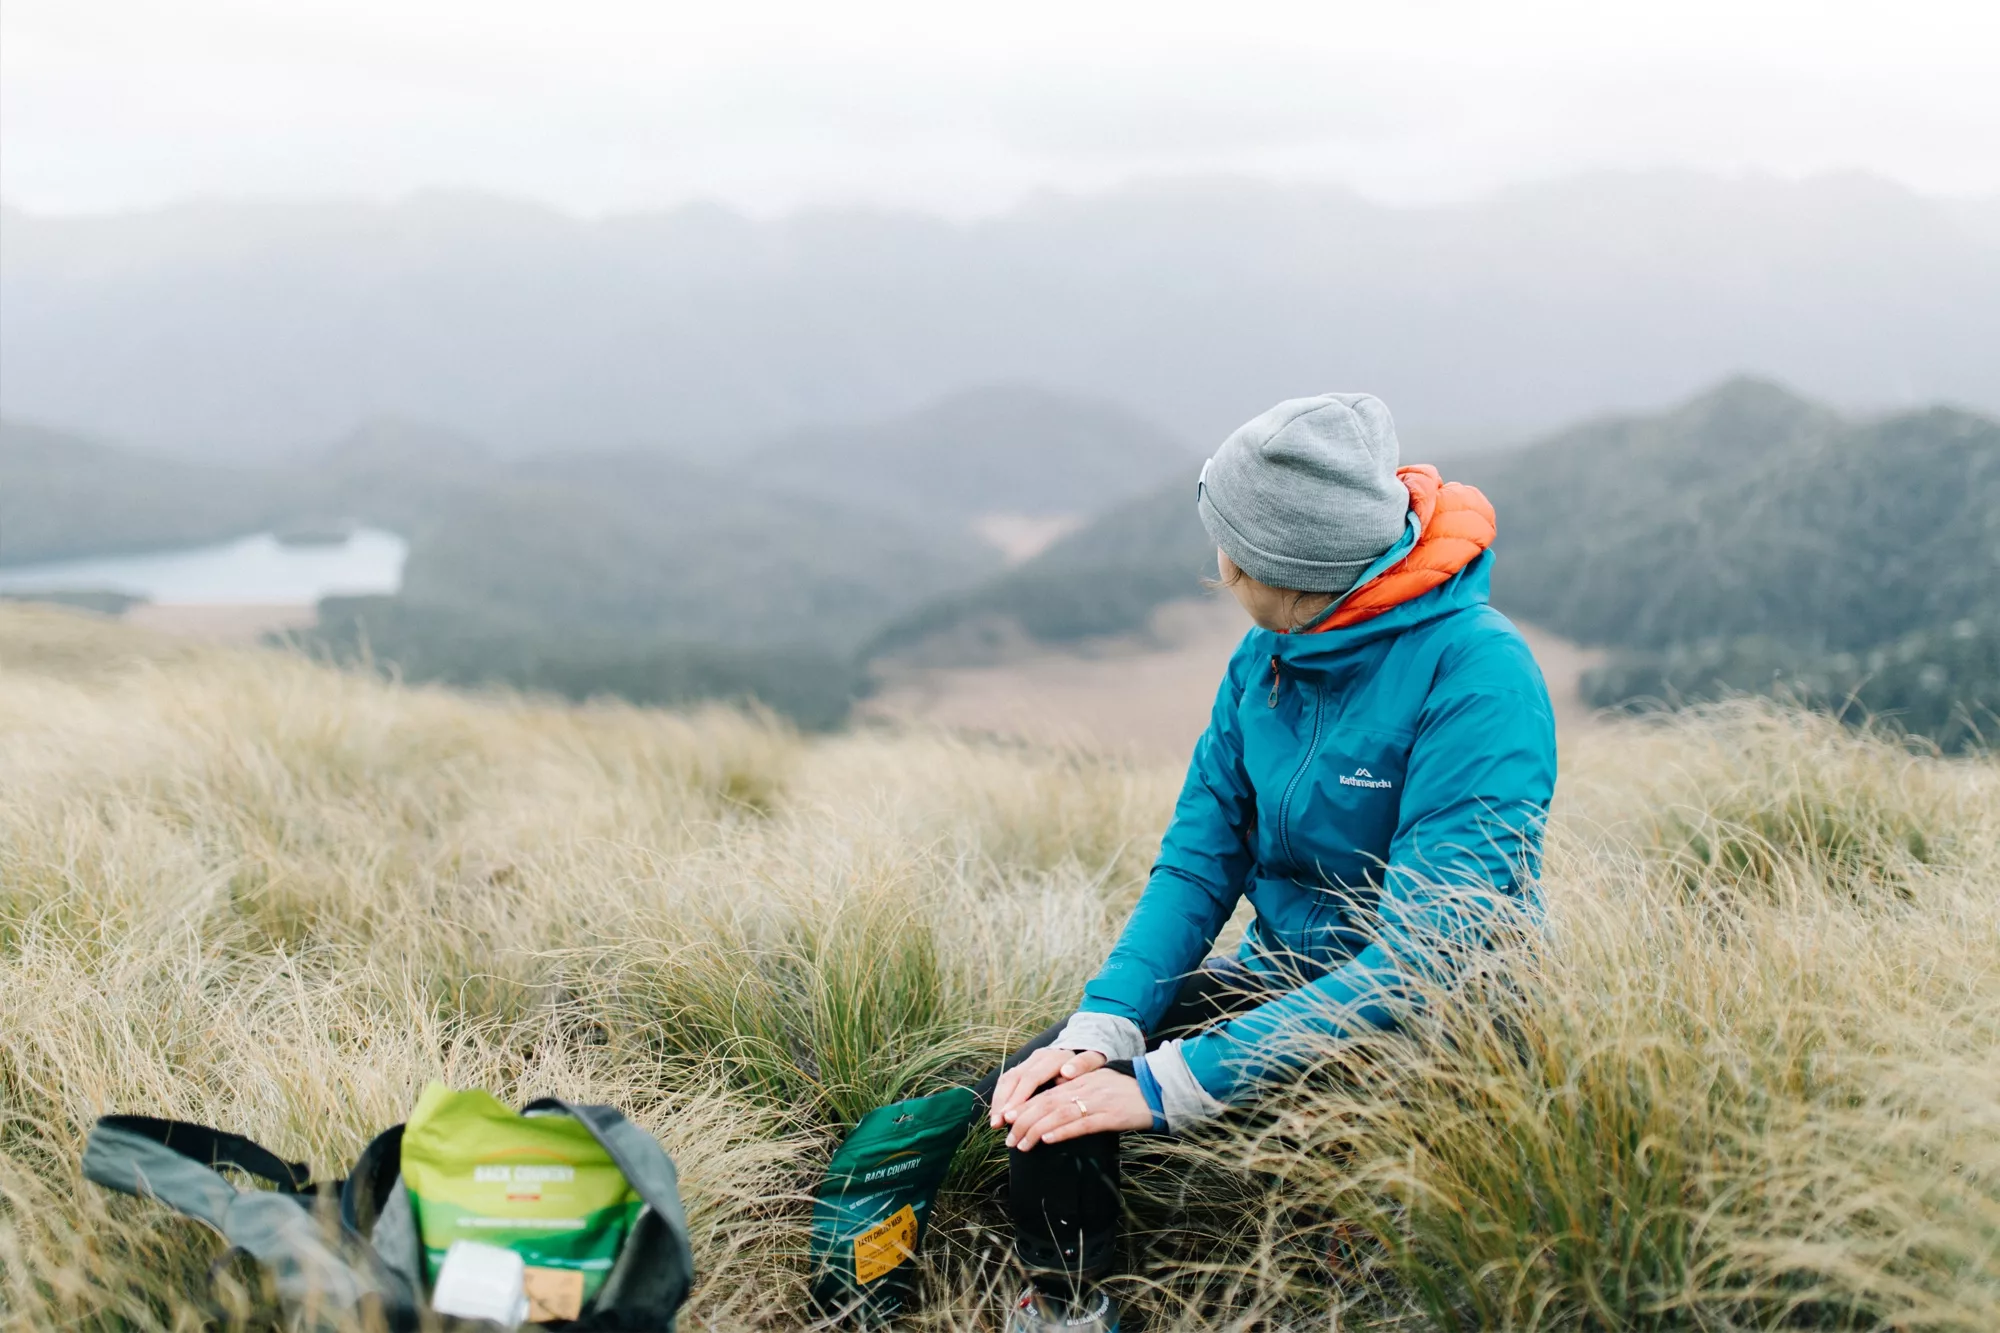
(1306, 496)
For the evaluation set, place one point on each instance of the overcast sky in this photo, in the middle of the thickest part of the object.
(600, 106)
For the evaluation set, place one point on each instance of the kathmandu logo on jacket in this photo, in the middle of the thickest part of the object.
(1361, 777)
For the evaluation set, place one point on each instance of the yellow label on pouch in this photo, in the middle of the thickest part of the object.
(553, 1293)
(886, 1244)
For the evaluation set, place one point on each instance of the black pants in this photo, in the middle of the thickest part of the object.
(1063, 1197)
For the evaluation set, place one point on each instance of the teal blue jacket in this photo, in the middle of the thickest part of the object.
(1374, 791)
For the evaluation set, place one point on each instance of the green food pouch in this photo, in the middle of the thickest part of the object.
(536, 1184)
(870, 1211)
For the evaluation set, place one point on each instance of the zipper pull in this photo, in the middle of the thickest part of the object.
(1276, 680)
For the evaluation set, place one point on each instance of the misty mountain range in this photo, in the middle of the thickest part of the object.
(251, 331)
(1744, 538)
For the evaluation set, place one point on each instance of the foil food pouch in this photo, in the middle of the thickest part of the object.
(537, 1184)
(871, 1208)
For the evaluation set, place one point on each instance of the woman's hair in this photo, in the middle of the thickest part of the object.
(1299, 598)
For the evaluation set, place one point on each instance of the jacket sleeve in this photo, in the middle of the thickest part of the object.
(1199, 876)
(1467, 844)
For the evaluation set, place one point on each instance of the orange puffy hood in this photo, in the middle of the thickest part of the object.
(1457, 524)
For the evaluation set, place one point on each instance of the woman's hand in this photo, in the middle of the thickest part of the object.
(1018, 1084)
(1092, 1103)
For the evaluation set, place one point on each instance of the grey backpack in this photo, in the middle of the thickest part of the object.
(348, 1252)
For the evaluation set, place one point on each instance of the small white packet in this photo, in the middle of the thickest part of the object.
(481, 1282)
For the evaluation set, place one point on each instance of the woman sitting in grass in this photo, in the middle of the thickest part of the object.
(1374, 778)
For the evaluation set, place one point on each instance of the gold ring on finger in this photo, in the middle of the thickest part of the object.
(1081, 1109)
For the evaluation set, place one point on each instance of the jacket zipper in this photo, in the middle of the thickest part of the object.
(1285, 803)
(1276, 680)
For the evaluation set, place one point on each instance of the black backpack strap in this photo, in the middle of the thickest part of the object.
(375, 1206)
(371, 1181)
(655, 1270)
(213, 1148)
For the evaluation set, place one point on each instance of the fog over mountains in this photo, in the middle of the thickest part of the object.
(252, 330)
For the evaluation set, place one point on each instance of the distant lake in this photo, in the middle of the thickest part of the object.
(248, 571)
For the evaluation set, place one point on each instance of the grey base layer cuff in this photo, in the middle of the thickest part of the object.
(1109, 1035)
(1183, 1101)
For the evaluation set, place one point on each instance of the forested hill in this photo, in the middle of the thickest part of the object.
(1747, 536)
(1750, 511)
(1105, 578)
(63, 496)
(1755, 542)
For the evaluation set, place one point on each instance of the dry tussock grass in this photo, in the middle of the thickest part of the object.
(1747, 1074)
